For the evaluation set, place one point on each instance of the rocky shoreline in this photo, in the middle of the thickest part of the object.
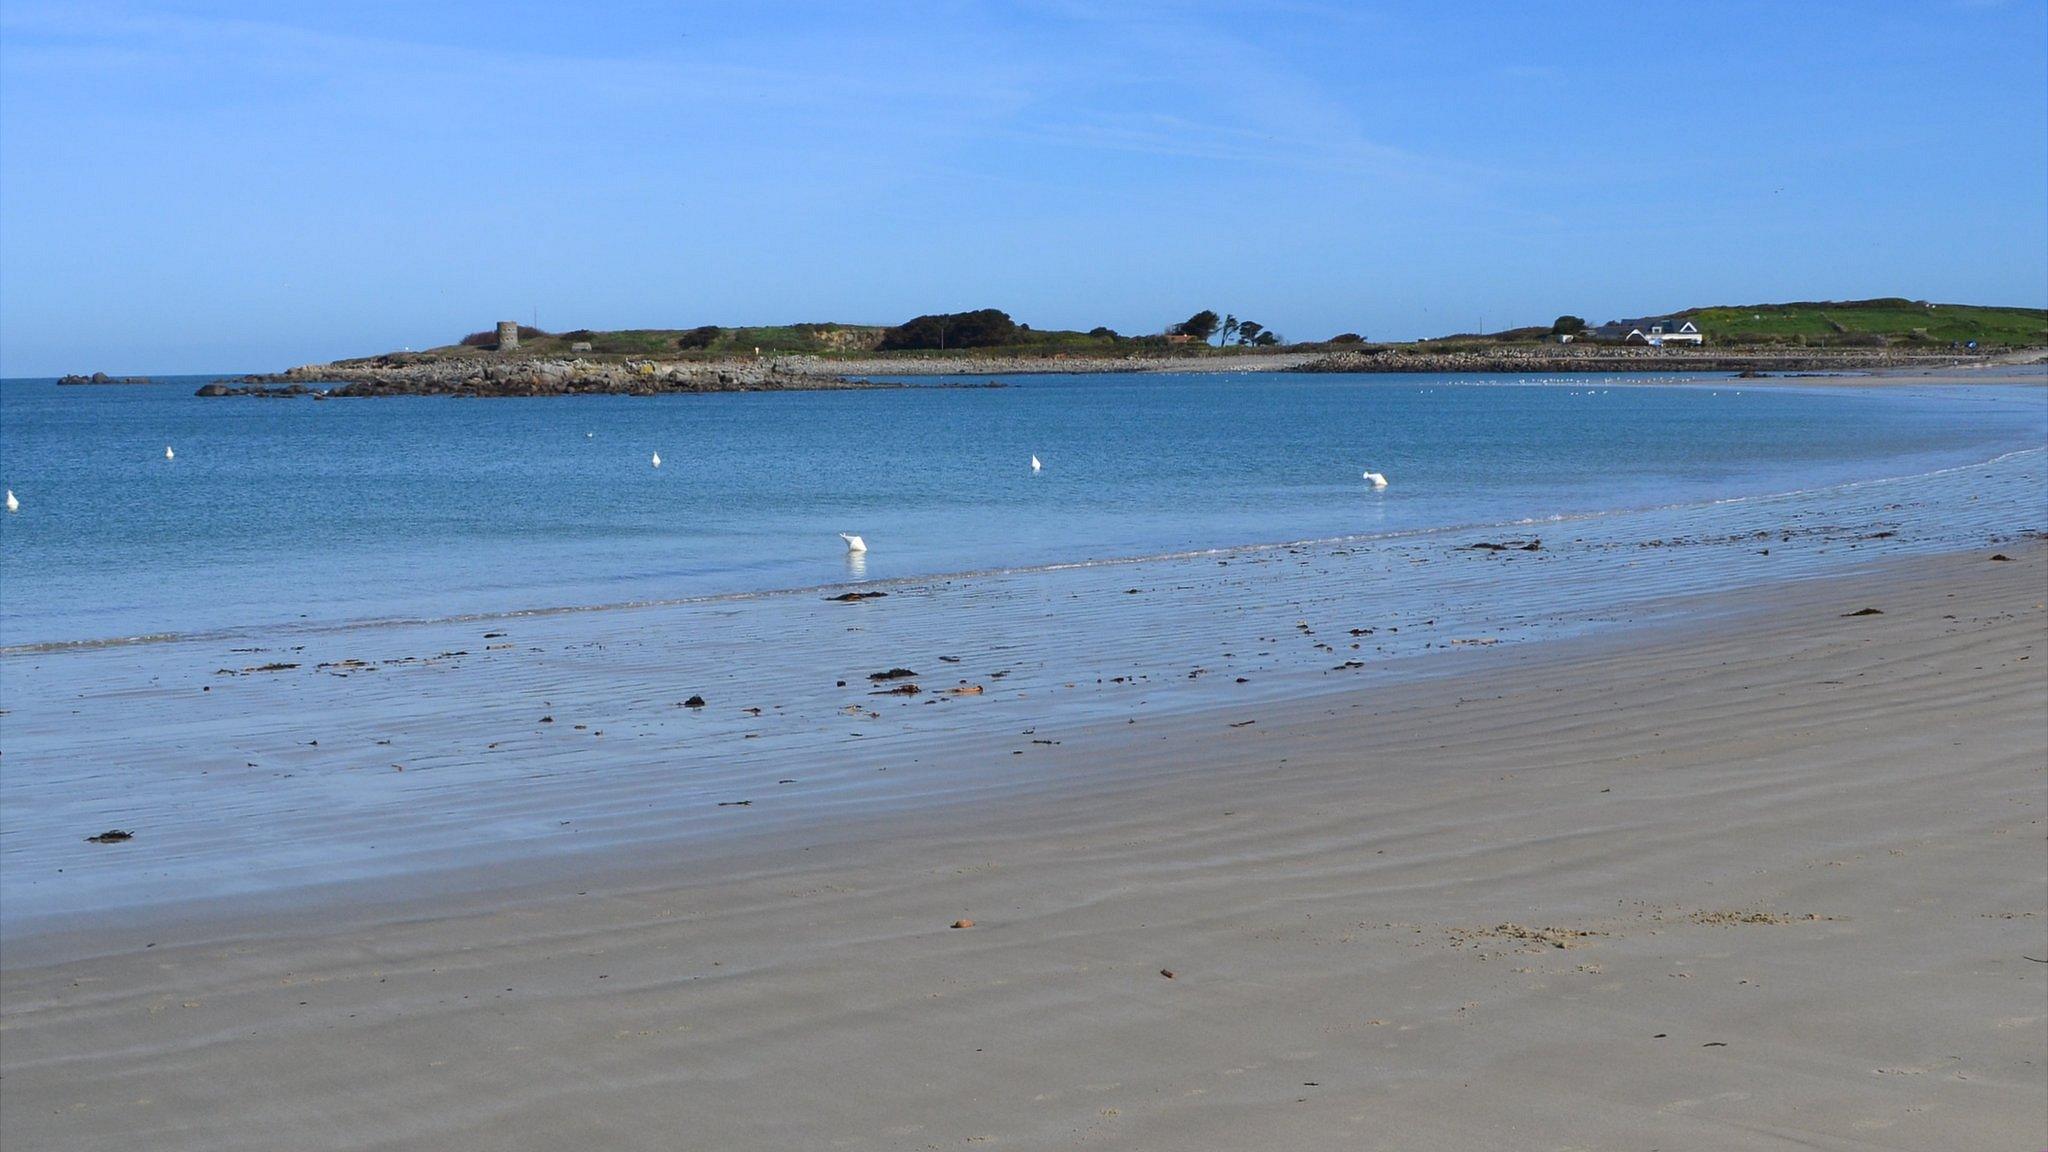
(1608, 358)
(487, 375)
(480, 377)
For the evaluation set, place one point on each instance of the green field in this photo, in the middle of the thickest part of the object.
(1890, 321)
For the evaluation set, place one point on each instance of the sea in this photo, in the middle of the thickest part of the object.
(326, 651)
(299, 514)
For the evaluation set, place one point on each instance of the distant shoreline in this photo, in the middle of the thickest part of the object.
(488, 374)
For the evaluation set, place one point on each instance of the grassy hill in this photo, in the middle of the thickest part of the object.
(1882, 323)
(851, 341)
(780, 339)
(1890, 321)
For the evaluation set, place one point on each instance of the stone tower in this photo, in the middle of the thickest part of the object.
(508, 335)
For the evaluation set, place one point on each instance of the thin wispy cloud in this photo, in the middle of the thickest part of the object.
(657, 164)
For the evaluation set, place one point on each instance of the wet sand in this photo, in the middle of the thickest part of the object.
(1759, 876)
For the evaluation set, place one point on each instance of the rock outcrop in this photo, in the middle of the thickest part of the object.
(395, 376)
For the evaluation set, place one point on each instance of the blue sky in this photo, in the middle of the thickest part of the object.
(243, 186)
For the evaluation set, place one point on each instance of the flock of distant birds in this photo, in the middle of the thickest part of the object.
(853, 543)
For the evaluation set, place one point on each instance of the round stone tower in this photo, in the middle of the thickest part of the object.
(508, 335)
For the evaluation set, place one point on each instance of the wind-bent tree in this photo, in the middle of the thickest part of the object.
(1228, 329)
(1248, 331)
(1200, 326)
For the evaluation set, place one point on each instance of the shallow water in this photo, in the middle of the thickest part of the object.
(277, 762)
(309, 514)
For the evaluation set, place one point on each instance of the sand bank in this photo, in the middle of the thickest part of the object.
(1774, 878)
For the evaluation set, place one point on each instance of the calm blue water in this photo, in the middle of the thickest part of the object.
(287, 511)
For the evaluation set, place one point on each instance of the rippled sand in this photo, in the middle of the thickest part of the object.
(1765, 879)
(1648, 836)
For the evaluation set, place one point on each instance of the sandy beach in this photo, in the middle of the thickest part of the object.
(1770, 877)
(1023, 577)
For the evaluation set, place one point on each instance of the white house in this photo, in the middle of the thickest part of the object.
(1662, 333)
(1654, 332)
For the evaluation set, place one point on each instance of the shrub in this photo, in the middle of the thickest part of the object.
(1347, 338)
(985, 328)
(702, 337)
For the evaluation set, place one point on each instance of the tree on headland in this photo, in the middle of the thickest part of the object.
(1200, 326)
(1267, 339)
(1249, 331)
(985, 328)
(702, 337)
(1226, 331)
(1568, 326)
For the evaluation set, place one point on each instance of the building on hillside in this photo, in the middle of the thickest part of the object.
(1655, 331)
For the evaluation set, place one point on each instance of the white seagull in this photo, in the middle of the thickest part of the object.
(1376, 479)
(168, 454)
(853, 543)
(1035, 465)
(657, 459)
(13, 505)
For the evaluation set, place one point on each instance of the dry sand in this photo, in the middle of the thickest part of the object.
(1764, 881)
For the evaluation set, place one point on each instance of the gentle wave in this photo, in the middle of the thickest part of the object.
(902, 584)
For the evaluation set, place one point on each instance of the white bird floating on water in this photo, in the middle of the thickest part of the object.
(13, 505)
(657, 459)
(1035, 465)
(853, 543)
(1376, 479)
(168, 454)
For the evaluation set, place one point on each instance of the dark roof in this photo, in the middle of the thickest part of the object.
(1624, 327)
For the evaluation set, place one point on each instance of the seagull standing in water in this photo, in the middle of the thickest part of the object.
(657, 459)
(853, 543)
(13, 505)
(168, 454)
(1035, 465)
(1376, 479)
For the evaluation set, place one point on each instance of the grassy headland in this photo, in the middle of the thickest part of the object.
(1860, 335)
(1891, 322)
